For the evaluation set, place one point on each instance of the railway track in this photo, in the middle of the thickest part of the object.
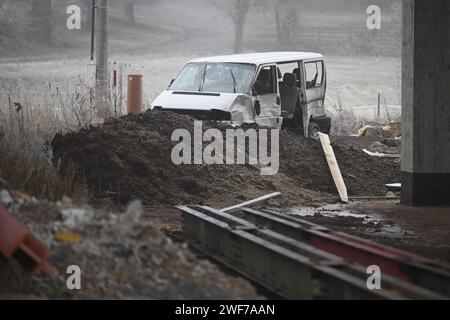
(297, 259)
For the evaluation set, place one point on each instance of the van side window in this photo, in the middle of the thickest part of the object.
(291, 67)
(266, 81)
(314, 74)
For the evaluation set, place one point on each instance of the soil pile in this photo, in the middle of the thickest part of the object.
(122, 255)
(304, 161)
(130, 158)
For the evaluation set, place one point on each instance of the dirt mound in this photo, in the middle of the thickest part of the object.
(130, 158)
(304, 161)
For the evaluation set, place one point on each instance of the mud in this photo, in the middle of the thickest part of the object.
(304, 161)
(130, 158)
(423, 231)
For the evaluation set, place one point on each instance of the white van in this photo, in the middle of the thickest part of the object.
(264, 88)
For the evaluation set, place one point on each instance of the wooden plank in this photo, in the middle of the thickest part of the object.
(334, 167)
(250, 202)
(374, 198)
(394, 186)
(382, 155)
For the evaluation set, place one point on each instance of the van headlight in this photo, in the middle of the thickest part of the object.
(219, 115)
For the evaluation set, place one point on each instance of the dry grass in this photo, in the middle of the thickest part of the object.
(344, 120)
(30, 115)
(29, 171)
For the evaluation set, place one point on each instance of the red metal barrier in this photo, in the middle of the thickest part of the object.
(17, 243)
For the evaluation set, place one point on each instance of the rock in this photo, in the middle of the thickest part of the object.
(73, 218)
(373, 132)
(134, 212)
(379, 147)
(6, 198)
(396, 128)
(387, 132)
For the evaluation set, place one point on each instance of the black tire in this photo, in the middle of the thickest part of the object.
(313, 131)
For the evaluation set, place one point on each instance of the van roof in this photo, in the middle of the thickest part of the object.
(261, 58)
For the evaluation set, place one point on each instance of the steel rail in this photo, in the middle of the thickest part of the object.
(400, 264)
(286, 266)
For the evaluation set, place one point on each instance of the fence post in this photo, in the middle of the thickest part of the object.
(134, 94)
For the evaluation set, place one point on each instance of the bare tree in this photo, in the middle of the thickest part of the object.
(7, 7)
(14, 22)
(129, 11)
(278, 22)
(238, 11)
(42, 20)
(87, 8)
(286, 20)
(130, 8)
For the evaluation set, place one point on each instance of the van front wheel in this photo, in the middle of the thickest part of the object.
(313, 131)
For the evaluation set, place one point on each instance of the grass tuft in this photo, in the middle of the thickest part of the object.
(30, 115)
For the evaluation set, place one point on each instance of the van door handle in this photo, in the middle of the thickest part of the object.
(278, 100)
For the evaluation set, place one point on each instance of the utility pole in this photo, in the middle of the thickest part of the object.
(102, 72)
(93, 30)
(378, 107)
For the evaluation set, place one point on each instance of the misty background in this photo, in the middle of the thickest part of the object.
(157, 37)
(37, 27)
(47, 78)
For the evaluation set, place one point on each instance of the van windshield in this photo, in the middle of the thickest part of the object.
(215, 77)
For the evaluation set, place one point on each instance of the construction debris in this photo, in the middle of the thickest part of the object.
(16, 242)
(386, 146)
(122, 255)
(386, 198)
(68, 237)
(394, 186)
(393, 130)
(252, 202)
(334, 167)
(382, 155)
(307, 262)
(6, 198)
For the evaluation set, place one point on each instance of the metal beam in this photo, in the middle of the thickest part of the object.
(288, 267)
(397, 263)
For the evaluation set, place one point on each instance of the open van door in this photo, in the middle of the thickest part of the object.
(314, 88)
(266, 98)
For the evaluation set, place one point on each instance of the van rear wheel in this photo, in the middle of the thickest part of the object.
(313, 131)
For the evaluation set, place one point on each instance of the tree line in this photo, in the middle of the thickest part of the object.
(36, 19)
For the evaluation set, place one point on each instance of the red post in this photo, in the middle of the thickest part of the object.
(134, 94)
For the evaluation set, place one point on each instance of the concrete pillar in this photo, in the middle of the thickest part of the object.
(426, 103)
